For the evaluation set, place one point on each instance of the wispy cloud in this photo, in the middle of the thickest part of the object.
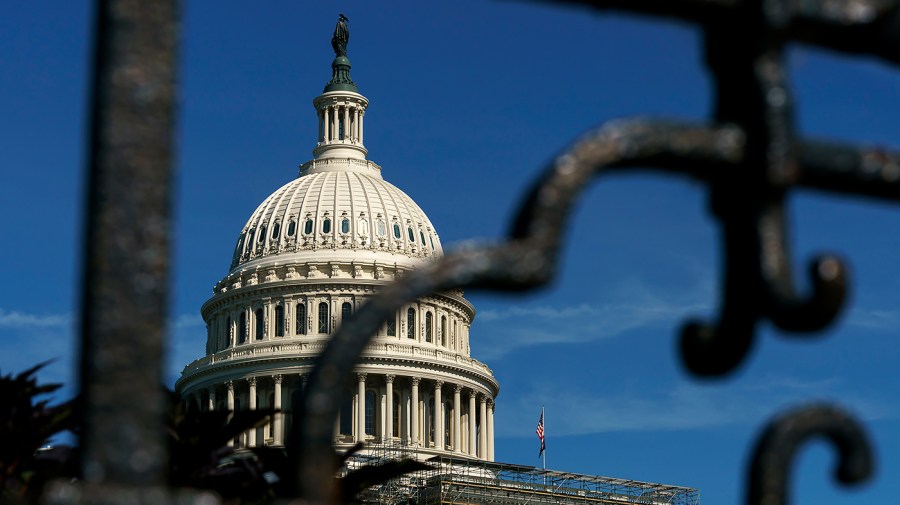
(27, 339)
(501, 331)
(874, 319)
(16, 319)
(682, 407)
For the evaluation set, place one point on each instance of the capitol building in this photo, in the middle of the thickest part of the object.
(310, 255)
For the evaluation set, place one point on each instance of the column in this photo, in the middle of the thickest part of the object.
(361, 409)
(457, 417)
(334, 125)
(230, 404)
(326, 125)
(361, 114)
(438, 416)
(212, 398)
(482, 436)
(414, 408)
(278, 436)
(389, 418)
(472, 423)
(346, 123)
(251, 435)
(356, 124)
(490, 431)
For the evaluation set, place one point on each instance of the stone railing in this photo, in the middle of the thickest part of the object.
(314, 347)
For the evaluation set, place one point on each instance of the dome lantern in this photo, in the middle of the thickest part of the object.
(340, 107)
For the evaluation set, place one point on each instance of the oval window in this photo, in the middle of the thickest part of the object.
(380, 228)
(326, 225)
(307, 227)
(411, 235)
(345, 225)
(276, 230)
(396, 231)
(363, 227)
(292, 227)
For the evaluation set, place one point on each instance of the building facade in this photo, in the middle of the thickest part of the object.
(309, 256)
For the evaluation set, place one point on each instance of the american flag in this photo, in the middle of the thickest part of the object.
(540, 433)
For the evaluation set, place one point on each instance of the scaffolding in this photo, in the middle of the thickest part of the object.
(464, 481)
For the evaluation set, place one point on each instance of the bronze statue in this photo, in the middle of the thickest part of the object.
(341, 37)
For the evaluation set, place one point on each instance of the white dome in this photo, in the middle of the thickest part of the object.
(342, 204)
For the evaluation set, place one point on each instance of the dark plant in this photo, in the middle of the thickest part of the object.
(202, 459)
(26, 426)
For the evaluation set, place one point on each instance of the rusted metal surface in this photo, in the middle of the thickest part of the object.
(748, 155)
(771, 465)
(125, 278)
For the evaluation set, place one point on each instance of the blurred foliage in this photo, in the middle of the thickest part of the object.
(200, 456)
(27, 424)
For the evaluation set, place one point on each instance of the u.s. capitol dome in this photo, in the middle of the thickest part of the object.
(312, 253)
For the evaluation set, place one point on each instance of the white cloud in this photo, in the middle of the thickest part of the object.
(684, 407)
(16, 319)
(874, 319)
(502, 331)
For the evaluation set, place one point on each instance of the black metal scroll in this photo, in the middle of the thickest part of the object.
(770, 467)
(749, 156)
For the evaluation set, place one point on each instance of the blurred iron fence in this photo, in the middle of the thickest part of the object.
(748, 154)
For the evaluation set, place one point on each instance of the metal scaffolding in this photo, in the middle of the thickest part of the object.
(464, 481)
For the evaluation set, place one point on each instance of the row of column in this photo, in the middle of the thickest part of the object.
(471, 429)
(332, 117)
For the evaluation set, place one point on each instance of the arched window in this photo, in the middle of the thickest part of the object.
(301, 319)
(324, 323)
(276, 229)
(250, 238)
(363, 227)
(308, 226)
(397, 231)
(346, 310)
(443, 331)
(326, 225)
(431, 239)
(411, 323)
(392, 326)
(428, 326)
(370, 412)
(292, 228)
(260, 328)
(262, 234)
(279, 321)
(242, 328)
(422, 236)
(345, 225)
(380, 229)
(347, 414)
(412, 237)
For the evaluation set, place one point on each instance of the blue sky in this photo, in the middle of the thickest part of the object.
(469, 100)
